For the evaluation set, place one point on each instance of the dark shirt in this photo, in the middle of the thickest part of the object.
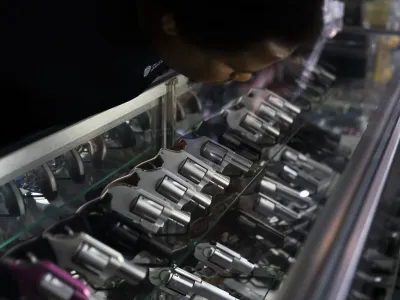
(63, 61)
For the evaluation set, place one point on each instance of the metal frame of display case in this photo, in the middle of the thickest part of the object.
(45, 149)
(328, 261)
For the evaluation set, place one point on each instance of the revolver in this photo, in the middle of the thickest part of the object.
(267, 111)
(251, 127)
(92, 259)
(166, 185)
(274, 100)
(306, 163)
(139, 208)
(215, 155)
(188, 168)
(222, 259)
(39, 280)
(182, 284)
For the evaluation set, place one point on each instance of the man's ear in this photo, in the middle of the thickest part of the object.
(168, 25)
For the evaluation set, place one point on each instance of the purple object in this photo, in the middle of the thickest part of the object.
(45, 280)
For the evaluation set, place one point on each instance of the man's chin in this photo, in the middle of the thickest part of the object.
(203, 79)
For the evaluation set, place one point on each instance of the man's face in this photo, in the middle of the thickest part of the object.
(208, 66)
(215, 66)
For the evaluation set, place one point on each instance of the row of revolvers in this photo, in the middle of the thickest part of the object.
(177, 194)
(163, 206)
(275, 116)
(260, 118)
(84, 165)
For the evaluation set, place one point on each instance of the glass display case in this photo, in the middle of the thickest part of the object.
(280, 188)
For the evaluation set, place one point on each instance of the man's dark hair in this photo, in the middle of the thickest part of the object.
(237, 25)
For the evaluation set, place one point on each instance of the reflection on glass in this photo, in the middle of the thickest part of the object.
(257, 223)
(56, 189)
(224, 213)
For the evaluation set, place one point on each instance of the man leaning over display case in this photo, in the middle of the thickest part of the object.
(63, 61)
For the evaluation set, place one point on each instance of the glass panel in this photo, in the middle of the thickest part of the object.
(264, 216)
(245, 222)
(273, 151)
(377, 272)
(55, 190)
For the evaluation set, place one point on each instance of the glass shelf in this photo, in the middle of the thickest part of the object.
(333, 120)
(343, 113)
(56, 189)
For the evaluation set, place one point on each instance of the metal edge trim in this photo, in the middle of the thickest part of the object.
(313, 270)
(37, 153)
(340, 285)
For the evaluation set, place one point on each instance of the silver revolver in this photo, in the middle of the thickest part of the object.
(170, 187)
(216, 155)
(275, 101)
(144, 210)
(189, 167)
(271, 186)
(306, 163)
(266, 110)
(95, 261)
(182, 284)
(266, 206)
(250, 126)
(222, 259)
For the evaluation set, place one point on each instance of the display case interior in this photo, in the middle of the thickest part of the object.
(376, 274)
(58, 187)
(203, 192)
(356, 233)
